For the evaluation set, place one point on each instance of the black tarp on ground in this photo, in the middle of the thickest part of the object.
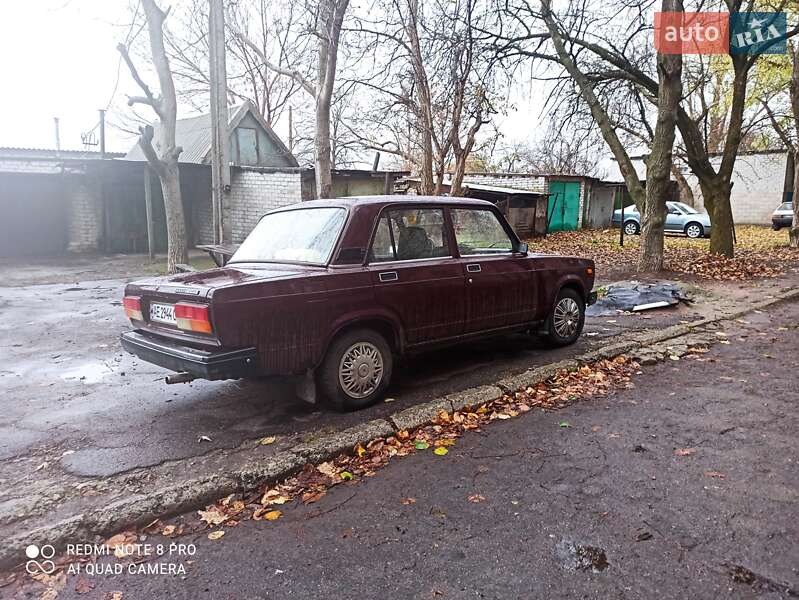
(625, 296)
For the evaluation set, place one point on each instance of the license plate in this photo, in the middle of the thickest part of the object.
(163, 313)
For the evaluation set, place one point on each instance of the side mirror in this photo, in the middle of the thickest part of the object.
(522, 248)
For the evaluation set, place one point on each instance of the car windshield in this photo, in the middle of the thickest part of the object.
(304, 235)
(688, 210)
(786, 206)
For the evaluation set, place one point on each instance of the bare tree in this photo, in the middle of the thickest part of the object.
(783, 127)
(164, 161)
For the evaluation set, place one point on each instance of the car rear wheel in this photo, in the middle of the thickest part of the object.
(565, 323)
(694, 230)
(356, 370)
(776, 226)
(631, 228)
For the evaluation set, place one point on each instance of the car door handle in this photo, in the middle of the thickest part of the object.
(473, 268)
(388, 276)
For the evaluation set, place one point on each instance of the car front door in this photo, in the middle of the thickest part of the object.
(675, 220)
(499, 282)
(415, 274)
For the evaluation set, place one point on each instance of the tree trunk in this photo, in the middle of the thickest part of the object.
(717, 202)
(659, 161)
(175, 220)
(793, 236)
(686, 193)
(322, 164)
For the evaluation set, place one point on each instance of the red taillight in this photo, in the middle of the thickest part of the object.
(132, 306)
(193, 317)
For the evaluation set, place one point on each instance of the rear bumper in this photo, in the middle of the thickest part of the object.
(203, 364)
(782, 221)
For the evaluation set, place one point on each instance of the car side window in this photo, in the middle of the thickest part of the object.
(479, 232)
(410, 234)
(383, 244)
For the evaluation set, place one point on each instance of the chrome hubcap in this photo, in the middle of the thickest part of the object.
(566, 317)
(360, 370)
(693, 231)
(629, 229)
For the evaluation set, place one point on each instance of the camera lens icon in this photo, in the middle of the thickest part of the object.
(32, 551)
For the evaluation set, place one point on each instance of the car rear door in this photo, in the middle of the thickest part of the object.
(498, 282)
(675, 219)
(415, 274)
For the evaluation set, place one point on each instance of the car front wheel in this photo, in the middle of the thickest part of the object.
(565, 323)
(694, 230)
(356, 370)
(631, 228)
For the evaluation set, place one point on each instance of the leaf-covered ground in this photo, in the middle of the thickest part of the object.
(760, 252)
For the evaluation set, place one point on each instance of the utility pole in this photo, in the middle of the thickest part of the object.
(57, 135)
(220, 140)
(102, 133)
(291, 132)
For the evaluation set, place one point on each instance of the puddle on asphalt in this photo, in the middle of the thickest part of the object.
(579, 557)
(88, 373)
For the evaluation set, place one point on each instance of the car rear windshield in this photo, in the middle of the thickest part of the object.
(786, 206)
(305, 235)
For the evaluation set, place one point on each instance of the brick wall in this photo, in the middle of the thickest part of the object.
(518, 181)
(757, 187)
(254, 192)
(20, 165)
(84, 217)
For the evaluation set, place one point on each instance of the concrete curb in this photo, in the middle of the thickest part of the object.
(141, 509)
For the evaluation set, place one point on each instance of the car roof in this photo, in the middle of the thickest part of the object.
(355, 201)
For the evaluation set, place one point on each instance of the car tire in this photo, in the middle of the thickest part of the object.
(631, 228)
(356, 369)
(694, 230)
(565, 323)
(776, 226)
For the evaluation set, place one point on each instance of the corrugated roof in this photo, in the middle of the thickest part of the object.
(53, 154)
(194, 136)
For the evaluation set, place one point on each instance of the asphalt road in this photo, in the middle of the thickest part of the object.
(601, 509)
(66, 386)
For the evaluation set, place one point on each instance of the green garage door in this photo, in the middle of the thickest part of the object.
(564, 205)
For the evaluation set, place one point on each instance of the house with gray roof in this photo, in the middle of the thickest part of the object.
(253, 143)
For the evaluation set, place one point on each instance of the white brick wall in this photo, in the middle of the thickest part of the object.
(20, 165)
(255, 192)
(518, 181)
(757, 187)
(85, 218)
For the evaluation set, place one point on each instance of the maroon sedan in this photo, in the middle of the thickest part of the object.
(329, 291)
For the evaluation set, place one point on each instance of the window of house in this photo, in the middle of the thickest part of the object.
(410, 234)
(479, 232)
(247, 140)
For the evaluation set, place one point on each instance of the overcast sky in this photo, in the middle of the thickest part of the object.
(59, 59)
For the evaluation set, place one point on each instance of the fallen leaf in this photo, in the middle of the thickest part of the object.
(564, 424)
(327, 468)
(212, 516)
(440, 451)
(204, 438)
(715, 474)
(407, 501)
(113, 596)
(274, 497)
(215, 535)
(421, 445)
(643, 536)
(84, 586)
(476, 498)
(345, 475)
(267, 440)
(684, 451)
(595, 428)
(169, 530)
(311, 497)
(360, 450)
(272, 515)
